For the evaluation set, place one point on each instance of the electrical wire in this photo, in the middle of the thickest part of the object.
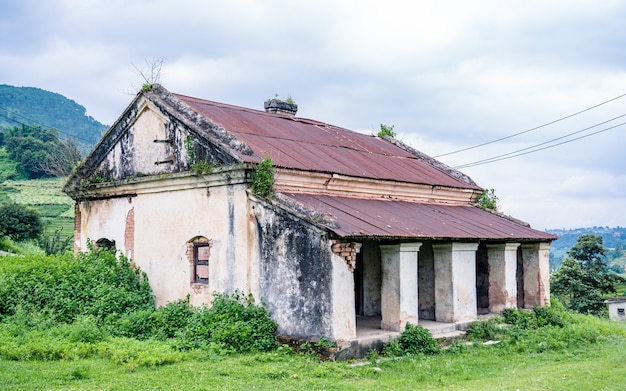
(519, 152)
(532, 129)
(44, 127)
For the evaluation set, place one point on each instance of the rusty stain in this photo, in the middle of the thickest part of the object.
(310, 145)
(369, 217)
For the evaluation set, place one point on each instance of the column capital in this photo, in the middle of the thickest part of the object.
(410, 247)
(537, 245)
(401, 247)
(455, 246)
(503, 246)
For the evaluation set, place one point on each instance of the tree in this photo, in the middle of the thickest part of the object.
(19, 222)
(582, 280)
(41, 153)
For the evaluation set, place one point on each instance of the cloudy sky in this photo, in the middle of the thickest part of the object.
(449, 75)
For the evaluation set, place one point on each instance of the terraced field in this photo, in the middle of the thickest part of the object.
(56, 208)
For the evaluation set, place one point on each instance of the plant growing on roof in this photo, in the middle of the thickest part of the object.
(488, 200)
(386, 130)
(263, 178)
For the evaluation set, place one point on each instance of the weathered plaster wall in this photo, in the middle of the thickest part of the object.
(536, 265)
(343, 306)
(399, 300)
(455, 281)
(617, 309)
(295, 274)
(163, 224)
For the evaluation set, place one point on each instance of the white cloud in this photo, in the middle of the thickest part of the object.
(448, 74)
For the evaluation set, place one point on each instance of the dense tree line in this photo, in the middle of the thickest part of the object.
(34, 106)
(39, 152)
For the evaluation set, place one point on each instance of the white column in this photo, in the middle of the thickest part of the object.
(399, 304)
(455, 281)
(536, 265)
(502, 259)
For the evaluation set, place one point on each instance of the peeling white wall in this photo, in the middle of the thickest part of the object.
(164, 222)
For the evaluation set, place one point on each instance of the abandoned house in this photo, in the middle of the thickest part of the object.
(355, 226)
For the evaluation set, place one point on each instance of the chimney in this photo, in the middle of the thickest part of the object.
(278, 106)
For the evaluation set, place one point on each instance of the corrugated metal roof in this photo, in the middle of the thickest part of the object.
(399, 219)
(310, 145)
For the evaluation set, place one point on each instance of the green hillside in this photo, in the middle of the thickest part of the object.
(56, 208)
(34, 106)
(614, 239)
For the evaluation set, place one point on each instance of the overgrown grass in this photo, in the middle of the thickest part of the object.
(98, 305)
(475, 368)
(90, 323)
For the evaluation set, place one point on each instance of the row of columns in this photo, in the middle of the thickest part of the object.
(455, 280)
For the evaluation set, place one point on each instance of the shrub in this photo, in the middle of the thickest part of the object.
(413, 340)
(166, 322)
(19, 222)
(485, 330)
(233, 322)
(96, 283)
(263, 178)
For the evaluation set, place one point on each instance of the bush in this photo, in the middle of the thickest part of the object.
(94, 283)
(413, 340)
(19, 222)
(59, 307)
(485, 330)
(233, 322)
(166, 322)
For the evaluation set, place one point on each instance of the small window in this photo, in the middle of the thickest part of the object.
(106, 244)
(620, 311)
(201, 253)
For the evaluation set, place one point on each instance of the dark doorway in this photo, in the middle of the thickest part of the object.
(358, 285)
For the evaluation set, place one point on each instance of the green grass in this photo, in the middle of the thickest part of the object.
(600, 367)
(55, 207)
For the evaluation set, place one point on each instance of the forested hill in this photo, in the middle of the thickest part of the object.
(614, 239)
(36, 107)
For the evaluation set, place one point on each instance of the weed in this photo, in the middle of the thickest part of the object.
(54, 243)
(413, 340)
(485, 330)
(190, 149)
(487, 200)
(263, 178)
(324, 343)
(386, 130)
(202, 167)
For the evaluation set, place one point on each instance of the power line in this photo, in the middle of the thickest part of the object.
(44, 127)
(513, 154)
(532, 129)
(543, 143)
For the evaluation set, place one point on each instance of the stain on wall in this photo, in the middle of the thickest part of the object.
(295, 274)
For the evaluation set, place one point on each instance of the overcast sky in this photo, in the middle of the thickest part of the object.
(448, 75)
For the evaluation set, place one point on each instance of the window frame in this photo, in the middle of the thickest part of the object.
(202, 263)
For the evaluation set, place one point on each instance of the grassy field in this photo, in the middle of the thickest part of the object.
(600, 367)
(56, 208)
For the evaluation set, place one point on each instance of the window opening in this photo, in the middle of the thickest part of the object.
(201, 253)
(106, 244)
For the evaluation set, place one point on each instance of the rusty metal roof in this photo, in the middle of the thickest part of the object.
(309, 145)
(356, 217)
